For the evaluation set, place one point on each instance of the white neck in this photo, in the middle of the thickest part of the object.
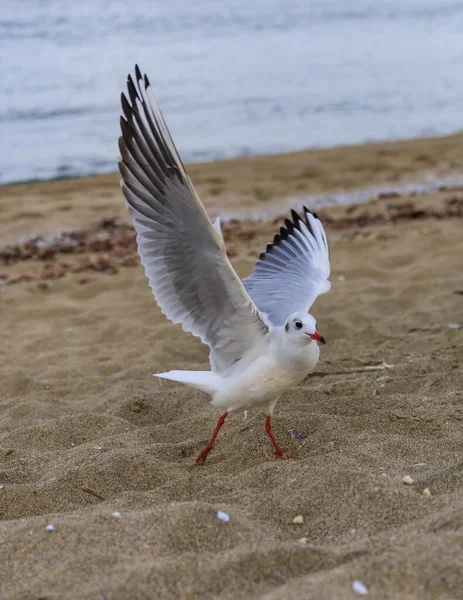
(295, 353)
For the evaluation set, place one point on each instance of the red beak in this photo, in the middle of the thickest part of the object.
(317, 337)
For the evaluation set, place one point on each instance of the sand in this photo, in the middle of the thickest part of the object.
(91, 444)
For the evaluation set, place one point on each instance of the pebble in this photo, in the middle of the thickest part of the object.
(303, 540)
(116, 514)
(50, 527)
(359, 588)
(408, 480)
(298, 520)
(223, 516)
(426, 492)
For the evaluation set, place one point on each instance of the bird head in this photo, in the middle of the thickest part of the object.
(303, 328)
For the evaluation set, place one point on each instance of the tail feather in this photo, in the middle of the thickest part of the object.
(206, 381)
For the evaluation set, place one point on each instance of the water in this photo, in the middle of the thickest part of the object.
(232, 77)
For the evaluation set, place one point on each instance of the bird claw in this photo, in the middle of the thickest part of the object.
(203, 454)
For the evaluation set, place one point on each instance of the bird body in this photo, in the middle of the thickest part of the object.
(262, 340)
(257, 380)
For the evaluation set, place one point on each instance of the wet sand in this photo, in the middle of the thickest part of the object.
(91, 444)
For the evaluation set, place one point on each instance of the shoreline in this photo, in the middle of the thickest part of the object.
(76, 177)
(244, 187)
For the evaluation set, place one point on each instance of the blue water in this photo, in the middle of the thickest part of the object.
(232, 77)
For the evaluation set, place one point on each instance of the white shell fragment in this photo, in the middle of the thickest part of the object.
(359, 588)
(49, 527)
(426, 492)
(298, 520)
(383, 365)
(116, 514)
(223, 516)
(408, 480)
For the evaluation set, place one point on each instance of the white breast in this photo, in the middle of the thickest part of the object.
(266, 377)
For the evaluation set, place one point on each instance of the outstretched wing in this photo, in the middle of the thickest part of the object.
(183, 255)
(292, 271)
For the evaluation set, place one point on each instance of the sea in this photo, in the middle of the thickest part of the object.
(232, 77)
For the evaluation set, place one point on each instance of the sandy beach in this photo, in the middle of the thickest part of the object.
(92, 445)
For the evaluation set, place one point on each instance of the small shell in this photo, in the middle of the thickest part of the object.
(223, 516)
(298, 520)
(426, 492)
(296, 435)
(359, 588)
(408, 480)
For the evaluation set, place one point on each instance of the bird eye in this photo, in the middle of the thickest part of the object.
(297, 324)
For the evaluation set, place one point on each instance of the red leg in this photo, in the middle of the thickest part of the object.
(278, 450)
(205, 451)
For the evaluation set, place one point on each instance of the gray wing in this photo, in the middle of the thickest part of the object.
(292, 271)
(183, 254)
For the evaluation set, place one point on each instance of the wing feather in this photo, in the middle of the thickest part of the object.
(292, 271)
(183, 254)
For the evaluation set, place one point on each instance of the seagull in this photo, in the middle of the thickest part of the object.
(262, 340)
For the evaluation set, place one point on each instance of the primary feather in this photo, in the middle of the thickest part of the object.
(182, 252)
(292, 271)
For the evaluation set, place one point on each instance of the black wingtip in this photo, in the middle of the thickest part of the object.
(289, 225)
(287, 233)
(283, 233)
(295, 216)
(127, 129)
(133, 94)
(310, 212)
(138, 73)
(126, 108)
(147, 82)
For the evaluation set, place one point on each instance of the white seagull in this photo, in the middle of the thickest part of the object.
(262, 340)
